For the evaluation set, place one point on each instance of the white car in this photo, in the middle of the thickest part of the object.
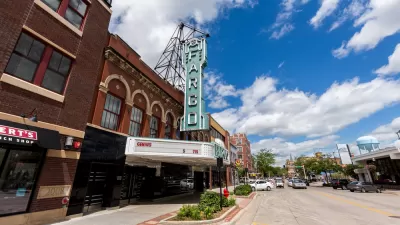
(187, 184)
(290, 183)
(279, 183)
(261, 185)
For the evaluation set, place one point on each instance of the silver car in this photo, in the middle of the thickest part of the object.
(363, 187)
(299, 184)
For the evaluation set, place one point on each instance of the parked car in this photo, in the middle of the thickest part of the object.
(187, 184)
(299, 184)
(340, 183)
(279, 183)
(363, 187)
(290, 182)
(261, 185)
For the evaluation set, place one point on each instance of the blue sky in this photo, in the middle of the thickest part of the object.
(295, 75)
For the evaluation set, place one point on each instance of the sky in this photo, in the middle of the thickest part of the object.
(297, 76)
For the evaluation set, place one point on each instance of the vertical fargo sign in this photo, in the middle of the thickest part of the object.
(194, 61)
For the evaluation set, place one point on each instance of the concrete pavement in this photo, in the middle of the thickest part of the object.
(321, 206)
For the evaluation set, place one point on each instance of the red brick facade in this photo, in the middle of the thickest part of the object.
(129, 79)
(244, 149)
(68, 111)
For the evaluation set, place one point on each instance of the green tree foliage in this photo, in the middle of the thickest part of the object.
(264, 160)
(349, 170)
(317, 165)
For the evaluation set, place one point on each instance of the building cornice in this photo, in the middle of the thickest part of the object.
(126, 66)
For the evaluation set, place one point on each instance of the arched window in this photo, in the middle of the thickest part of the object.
(201, 137)
(135, 126)
(169, 126)
(154, 127)
(111, 113)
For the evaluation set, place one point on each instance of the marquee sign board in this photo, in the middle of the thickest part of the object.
(194, 61)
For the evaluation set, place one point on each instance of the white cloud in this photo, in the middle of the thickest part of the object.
(380, 20)
(326, 9)
(148, 25)
(217, 90)
(387, 132)
(267, 110)
(352, 11)
(283, 23)
(393, 66)
(281, 64)
(284, 148)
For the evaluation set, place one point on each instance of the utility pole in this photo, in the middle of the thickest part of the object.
(348, 149)
(304, 170)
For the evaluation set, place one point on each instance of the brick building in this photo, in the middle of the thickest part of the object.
(131, 100)
(244, 150)
(50, 59)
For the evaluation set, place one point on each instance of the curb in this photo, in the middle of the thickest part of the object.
(239, 215)
(219, 219)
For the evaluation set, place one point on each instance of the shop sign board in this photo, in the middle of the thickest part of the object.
(164, 146)
(194, 62)
(17, 136)
(54, 191)
(221, 152)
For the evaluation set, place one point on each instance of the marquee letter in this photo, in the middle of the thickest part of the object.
(193, 67)
(193, 82)
(192, 100)
(192, 118)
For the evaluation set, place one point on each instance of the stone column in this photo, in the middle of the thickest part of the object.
(100, 101)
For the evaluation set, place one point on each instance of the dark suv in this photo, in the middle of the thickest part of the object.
(340, 183)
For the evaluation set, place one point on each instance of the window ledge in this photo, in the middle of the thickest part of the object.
(58, 17)
(6, 78)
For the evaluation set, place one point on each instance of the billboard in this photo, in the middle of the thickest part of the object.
(194, 61)
(343, 154)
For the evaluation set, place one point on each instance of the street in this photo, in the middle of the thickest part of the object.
(321, 206)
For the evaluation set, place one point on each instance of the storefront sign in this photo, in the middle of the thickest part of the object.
(16, 135)
(53, 191)
(195, 60)
(220, 152)
(164, 146)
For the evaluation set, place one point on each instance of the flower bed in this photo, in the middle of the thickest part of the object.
(207, 209)
(243, 190)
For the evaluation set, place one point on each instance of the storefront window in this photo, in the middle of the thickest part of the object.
(18, 172)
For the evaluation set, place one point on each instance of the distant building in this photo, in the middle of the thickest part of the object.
(244, 150)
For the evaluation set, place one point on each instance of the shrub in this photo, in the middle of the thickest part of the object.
(225, 202)
(209, 199)
(208, 212)
(195, 213)
(243, 190)
(231, 201)
(184, 211)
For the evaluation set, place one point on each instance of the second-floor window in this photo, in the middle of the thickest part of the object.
(39, 64)
(111, 112)
(168, 127)
(135, 126)
(154, 125)
(72, 10)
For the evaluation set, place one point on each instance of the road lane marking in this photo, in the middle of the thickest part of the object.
(257, 223)
(356, 204)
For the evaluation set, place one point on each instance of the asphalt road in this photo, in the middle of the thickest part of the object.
(321, 206)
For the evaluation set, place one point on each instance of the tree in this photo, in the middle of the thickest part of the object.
(264, 160)
(349, 170)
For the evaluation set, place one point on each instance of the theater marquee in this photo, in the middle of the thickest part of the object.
(195, 60)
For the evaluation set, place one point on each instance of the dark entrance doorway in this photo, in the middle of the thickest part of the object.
(99, 191)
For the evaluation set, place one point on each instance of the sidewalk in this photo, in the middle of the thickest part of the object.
(133, 214)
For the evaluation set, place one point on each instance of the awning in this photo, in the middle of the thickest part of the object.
(149, 150)
(22, 134)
